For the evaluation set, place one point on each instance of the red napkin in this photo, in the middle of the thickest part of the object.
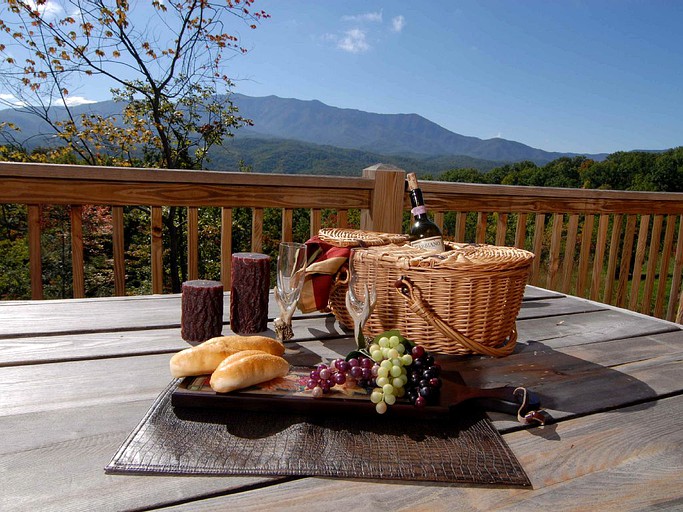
(324, 261)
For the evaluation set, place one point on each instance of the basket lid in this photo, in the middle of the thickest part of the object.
(458, 256)
(346, 237)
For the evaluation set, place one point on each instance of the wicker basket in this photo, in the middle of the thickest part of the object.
(462, 301)
(346, 237)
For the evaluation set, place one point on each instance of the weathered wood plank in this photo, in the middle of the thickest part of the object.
(652, 261)
(626, 257)
(664, 266)
(480, 235)
(501, 228)
(316, 221)
(607, 462)
(520, 230)
(56, 449)
(598, 256)
(555, 246)
(539, 228)
(59, 348)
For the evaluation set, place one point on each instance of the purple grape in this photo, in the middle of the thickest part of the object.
(339, 378)
(353, 362)
(366, 362)
(420, 401)
(417, 351)
(435, 382)
(342, 365)
(310, 384)
(374, 370)
(315, 375)
(325, 374)
(356, 372)
(367, 373)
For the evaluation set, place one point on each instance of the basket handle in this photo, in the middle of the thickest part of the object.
(412, 294)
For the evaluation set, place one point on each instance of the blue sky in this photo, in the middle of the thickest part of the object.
(585, 76)
(581, 76)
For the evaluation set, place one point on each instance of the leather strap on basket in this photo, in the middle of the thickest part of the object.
(412, 294)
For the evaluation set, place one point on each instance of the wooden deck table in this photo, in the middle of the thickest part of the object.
(76, 376)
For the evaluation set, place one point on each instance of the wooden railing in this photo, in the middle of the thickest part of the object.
(585, 240)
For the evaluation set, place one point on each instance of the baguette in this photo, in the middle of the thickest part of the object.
(246, 368)
(204, 358)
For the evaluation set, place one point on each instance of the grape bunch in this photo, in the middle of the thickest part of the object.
(424, 382)
(393, 370)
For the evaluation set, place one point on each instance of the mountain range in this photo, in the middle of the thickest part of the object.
(336, 137)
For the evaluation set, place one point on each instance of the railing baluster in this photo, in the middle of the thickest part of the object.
(678, 271)
(539, 229)
(257, 230)
(501, 228)
(480, 236)
(612, 259)
(77, 263)
(460, 226)
(599, 256)
(343, 218)
(554, 257)
(626, 257)
(569, 253)
(584, 256)
(287, 220)
(438, 219)
(664, 265)
(520, 230)
(226, 248)
(157, 251)
(192, 243)
(641, 246)
(316, 221)
(119, 251)
(652, 259)
(34, 252)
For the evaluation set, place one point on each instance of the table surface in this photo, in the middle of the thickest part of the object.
(76, 376)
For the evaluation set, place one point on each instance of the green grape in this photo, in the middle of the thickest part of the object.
(407, 359)
(382, 381)
(390, 399)
(383, 372)
(376, 396)
(397, 383)
(383, 342)
(395, 371)
(386, 364)
(381, 407)
(394, 341)
(376, 356)
(388, 390)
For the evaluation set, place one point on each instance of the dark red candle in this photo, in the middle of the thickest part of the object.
(249, 292)
(202, 310)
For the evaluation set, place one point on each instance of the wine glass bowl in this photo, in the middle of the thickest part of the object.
(291, 273)
(361, 297)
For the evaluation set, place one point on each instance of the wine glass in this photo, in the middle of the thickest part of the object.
(359, 304)
(291, 271)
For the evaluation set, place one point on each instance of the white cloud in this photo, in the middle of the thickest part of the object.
(74, 101)
(353, 41)
(49, 10)
(374, 17)
(397, 23)
(11, 100)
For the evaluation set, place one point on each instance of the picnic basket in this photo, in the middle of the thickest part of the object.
(462, 301)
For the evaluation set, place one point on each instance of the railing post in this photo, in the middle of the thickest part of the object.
(35, 262)
(386, 204)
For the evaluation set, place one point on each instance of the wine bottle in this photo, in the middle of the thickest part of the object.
(423, 233)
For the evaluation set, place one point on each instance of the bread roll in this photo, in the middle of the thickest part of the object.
(247, 368)
(204, 358)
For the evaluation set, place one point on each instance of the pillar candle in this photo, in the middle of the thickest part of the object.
(249, 292)
(202, 310)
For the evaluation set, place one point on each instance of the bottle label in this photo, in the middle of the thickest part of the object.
(431, 244)
(418, 210)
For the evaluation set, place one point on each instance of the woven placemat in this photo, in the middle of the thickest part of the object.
(463, 449)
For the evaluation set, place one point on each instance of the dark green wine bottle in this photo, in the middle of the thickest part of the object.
(423, 233)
